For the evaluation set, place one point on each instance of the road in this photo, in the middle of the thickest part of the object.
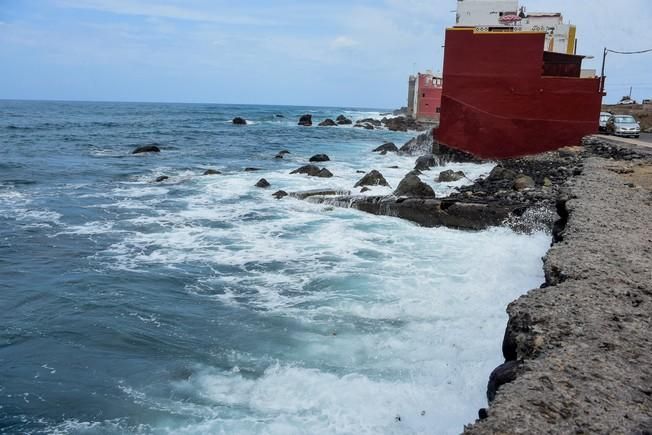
(645, 139)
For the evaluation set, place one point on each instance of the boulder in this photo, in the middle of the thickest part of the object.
(374, 122)
(424, 163)
(279, 156)
(422, 144)
(503, 374)
(263, 184)
(251, 169)
(305, 120)
(343, 120)
(373, 178)
(280, 194)
(450, 176)
(212, 172)
(387, 147)
(523, 182)
(360, 172)
(239, 121)
(284, 152)
(412, 186)
(278, 115)
(310, 170)
(320, 158)
(152, 148)
(324, 173)
(364, 189)
(328, 123)
(501, 173)
(162, 178)
(368, 126)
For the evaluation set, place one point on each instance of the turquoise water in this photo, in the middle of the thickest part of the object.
(203, 305)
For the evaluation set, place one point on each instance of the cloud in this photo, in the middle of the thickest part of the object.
(343, 42)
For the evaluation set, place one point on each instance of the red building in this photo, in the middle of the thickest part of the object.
(506, 97)
(428, 95)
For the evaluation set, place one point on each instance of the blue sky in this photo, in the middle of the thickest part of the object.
(337, 53)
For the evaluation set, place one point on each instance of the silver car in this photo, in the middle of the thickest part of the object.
(623, 125)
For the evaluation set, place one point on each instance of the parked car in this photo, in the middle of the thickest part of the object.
(604, 117)
(623, 125)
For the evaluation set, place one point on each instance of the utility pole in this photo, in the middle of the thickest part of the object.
(604, 62)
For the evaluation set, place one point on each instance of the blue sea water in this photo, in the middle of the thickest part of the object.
(203, 305)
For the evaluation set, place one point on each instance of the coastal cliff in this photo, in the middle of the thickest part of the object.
(577, 350)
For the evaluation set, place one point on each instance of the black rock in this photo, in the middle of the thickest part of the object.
(305, 120)
(388, 147)
(251, 169)
(364, 189)
(262, 183)
(324, 173)
(412, 186)
(162, 178)
(280, 194)
(320, 158)
(424, 163)
(311, 170)
(371, 121)
(503, 374)
(483, 414)
(212, 172)
(239, 121)
(373, 178)
(328, 123)
(279, 116)
(147, 149)
(284, 152)
(450, 176)
(279, 156)
(343, 120)
(368, 126)
(360, 172)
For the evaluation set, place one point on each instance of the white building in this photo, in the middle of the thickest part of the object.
(560, 36)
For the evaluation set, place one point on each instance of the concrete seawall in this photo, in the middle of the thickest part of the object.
(579, 350)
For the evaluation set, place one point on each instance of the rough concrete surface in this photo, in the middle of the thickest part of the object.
(584, 341)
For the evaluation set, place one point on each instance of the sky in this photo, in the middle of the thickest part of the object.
(355, 53)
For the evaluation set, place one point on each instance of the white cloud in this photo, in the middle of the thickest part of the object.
(343, 42)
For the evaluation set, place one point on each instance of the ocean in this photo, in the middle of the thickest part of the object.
(201, 304)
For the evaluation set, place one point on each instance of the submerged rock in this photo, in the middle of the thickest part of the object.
(387, 147)
(320, 158)
(162, 178)
(263, 184)
(412, 186)
(251, 169)
(450, 176)
(284, 152)
(212, 172)
(305, 120)
(152, 148)
(328, 123)
(280, 194)
(239, 121)
(373, 178)
(318, 192)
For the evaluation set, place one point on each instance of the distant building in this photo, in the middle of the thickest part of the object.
(424, 96)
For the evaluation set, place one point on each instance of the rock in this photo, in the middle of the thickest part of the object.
(310, 170)
(424, 163)
(162, 178)
(147, 149)
(343, 120)
(547, 182)
(212, 172)
(319, 192)
(279, 156)
(278, 115)
(364, 189)
(374, 122)
(251, 169)
(368, 126)
(284, 152)
(305, 120)
(388, 147)
(239, 121)
(328, 123)
(360, 172)
(523, 182)
(402, 123)
(373, 178)
(412, 186)
(324, 173)
(422, 144)
(450, 176)
(501, 173)
(503, 374)
(320, 158)
(263, 184)
(280, 194)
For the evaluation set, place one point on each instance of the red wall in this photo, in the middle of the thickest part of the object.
(429, 99)
(497, 104)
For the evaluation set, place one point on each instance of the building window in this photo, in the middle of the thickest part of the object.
(438, 109)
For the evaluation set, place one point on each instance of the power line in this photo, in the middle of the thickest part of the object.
(628, 52)
(604, 61)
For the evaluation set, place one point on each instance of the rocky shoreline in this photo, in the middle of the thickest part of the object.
(577, 350)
